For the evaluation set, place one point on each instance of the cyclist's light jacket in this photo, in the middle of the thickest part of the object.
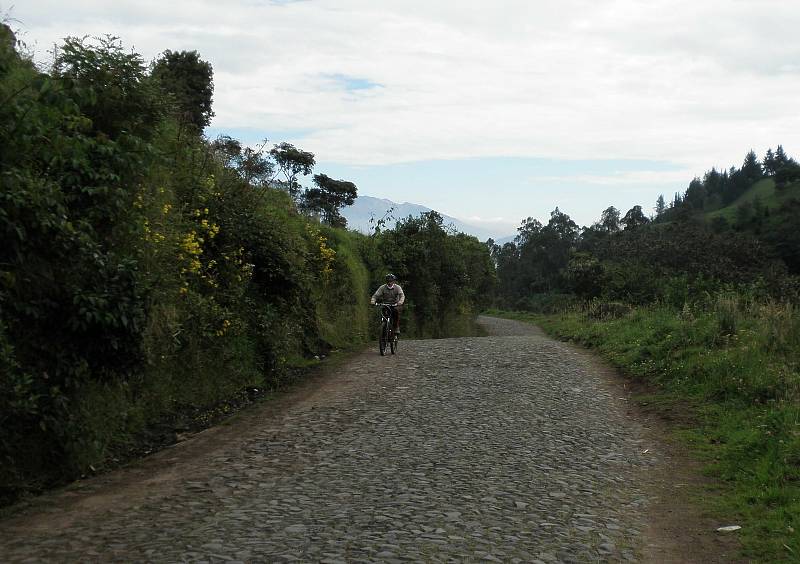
(387, 295)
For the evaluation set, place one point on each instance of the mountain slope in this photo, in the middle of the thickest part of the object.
(368, 208)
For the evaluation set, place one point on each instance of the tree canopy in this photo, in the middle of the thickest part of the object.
(189, 79)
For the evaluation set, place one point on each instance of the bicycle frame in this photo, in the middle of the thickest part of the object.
(387, 336)
(386, 311)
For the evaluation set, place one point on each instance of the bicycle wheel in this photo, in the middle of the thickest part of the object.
(382, 340)
(393, 343)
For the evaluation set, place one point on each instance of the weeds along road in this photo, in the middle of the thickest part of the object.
(503, 448)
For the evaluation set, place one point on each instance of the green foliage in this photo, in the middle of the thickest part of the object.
(292, 162)
(108, 86)
(609, 220)
(147, 273)
(542, 254)
(585, 275)
(328, 198)
(71, 305)
(444, 275)
(189, 80)
(634, 218)
(787, 175)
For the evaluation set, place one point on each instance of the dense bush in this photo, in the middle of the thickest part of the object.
(446, 275)
(146, 272)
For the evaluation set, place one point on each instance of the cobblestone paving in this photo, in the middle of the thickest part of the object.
(504, 448)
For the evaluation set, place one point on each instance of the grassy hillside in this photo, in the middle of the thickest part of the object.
(764, 191)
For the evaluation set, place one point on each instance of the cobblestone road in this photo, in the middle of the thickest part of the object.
(502, 448)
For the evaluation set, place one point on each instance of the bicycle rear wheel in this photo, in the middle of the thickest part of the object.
(393, 343)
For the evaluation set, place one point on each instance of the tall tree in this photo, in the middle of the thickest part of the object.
(528, 229)
(253, 165)
(292, 162)
(696, 194)
(563, 226)
(329, 197)
(780, 158)
(751, 168)
(661, 206)
(769, 163)
(609, 220)
(190, 80)
(634, 218)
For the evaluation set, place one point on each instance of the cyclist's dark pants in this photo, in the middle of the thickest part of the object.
(396, 317)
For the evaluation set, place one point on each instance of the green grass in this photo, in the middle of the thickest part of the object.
(731, 370)
(763, 190)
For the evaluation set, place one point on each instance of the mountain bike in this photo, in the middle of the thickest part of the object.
(387, 335)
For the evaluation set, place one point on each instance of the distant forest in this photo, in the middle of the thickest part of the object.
(728, 228)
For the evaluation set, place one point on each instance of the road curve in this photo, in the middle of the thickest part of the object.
(503, 448)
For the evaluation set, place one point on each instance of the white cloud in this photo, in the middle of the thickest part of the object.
(696, 83)
(636, 178)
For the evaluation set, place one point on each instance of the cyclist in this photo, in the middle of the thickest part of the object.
(391, 293)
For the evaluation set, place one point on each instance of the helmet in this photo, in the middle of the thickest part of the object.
(391, 277)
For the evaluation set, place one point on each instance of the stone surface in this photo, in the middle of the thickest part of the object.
(502, 448)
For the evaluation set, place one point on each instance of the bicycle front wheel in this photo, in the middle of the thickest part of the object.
(383, 338)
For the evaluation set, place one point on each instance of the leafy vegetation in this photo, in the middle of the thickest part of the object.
(148, 272)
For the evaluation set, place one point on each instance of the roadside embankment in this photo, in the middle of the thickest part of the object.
(726, 378)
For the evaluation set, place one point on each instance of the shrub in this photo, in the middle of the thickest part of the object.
(607, 310)
(727, 313)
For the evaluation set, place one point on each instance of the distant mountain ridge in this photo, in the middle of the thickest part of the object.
(367, 207)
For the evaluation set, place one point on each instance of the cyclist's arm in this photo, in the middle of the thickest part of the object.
(401, 297)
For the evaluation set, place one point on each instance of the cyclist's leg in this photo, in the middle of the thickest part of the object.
(396, 318)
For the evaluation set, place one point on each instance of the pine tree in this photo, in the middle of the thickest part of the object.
(751, 168)
(661, 206)
(769, 163)
(780, 158)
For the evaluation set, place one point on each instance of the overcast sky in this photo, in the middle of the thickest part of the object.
(493, 110)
